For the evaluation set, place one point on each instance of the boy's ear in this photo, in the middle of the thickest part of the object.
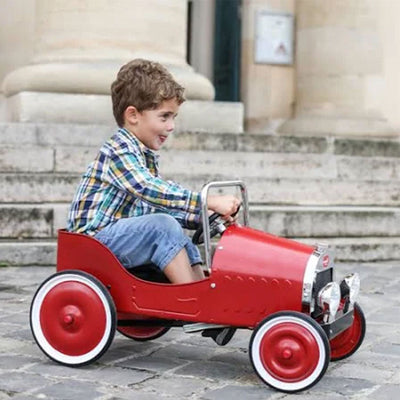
(131, 115)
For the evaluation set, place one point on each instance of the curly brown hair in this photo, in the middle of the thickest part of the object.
(145, 85)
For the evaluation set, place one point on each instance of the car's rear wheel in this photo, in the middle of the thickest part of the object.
(348, 342)
(73, 318)
(143, 333)
(289, 351)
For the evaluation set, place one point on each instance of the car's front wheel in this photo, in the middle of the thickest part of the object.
(289, 351)
(347, 343)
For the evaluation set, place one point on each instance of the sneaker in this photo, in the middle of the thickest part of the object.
(221, 336)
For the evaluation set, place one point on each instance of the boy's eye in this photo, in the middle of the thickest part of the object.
(166, 116)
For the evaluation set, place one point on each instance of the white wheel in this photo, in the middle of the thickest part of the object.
(73, 318)
(289, 351)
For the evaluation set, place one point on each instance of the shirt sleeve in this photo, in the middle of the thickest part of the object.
(186, 220)
(128, 172)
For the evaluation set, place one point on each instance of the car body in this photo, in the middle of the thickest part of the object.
(282, 290)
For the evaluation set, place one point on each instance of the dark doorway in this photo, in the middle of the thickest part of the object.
(227, 50)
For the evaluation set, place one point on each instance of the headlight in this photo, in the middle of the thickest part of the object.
(350, 286)
(329, 298)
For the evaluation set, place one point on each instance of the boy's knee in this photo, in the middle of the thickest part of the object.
(169, 224)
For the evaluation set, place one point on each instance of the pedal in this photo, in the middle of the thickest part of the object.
(200, 326)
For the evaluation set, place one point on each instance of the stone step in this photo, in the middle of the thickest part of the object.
(70, 159)
(361, 249)
(274, 165)
(277, 165)
(21, 221)
(45, 187)
(252, 164)
(343, 191)
(75, 135)
(309, 192)
(329, 222)
(37, 188)
(301, 166)
(43, 220)
(29, 253)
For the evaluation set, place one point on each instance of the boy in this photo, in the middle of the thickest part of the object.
(122, 200)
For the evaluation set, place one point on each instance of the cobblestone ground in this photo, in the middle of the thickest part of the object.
(187, 366)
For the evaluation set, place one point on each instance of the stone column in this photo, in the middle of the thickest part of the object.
(202, 36)
(347, 66)
(79, 47)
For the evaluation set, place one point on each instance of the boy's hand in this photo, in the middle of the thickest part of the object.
(225, 205)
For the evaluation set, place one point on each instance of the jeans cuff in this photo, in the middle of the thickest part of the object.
(172, 253)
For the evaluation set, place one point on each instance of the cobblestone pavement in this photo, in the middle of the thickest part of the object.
(188, 366)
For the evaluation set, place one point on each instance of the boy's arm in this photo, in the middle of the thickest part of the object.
(185, 219)
(127, 172)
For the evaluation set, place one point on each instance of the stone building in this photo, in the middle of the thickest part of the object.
(300, 98)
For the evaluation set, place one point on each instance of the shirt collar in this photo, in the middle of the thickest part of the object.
(143, 148)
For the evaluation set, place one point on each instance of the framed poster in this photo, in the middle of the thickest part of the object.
(274, 38)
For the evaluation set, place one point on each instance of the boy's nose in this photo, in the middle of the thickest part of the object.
(171, 126)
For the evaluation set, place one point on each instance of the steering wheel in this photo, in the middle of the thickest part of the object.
(215, 227)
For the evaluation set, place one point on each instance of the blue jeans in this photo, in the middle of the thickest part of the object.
(151, 238)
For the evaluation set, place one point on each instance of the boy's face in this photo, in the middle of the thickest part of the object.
(152, 127)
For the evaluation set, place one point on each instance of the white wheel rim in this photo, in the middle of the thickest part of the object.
(37, 328)
(266, 376)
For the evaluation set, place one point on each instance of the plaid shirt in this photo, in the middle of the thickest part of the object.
(123, 181)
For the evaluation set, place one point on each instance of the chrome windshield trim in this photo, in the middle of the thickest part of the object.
(204, 212)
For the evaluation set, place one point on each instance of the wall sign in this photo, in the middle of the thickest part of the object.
(274, 38)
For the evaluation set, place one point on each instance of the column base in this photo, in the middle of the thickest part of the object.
(349, 127)
(93, 78)
(194, 115)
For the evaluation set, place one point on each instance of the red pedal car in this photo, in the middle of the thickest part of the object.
(280, 289)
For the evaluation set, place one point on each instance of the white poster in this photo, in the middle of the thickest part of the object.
(274, 38)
